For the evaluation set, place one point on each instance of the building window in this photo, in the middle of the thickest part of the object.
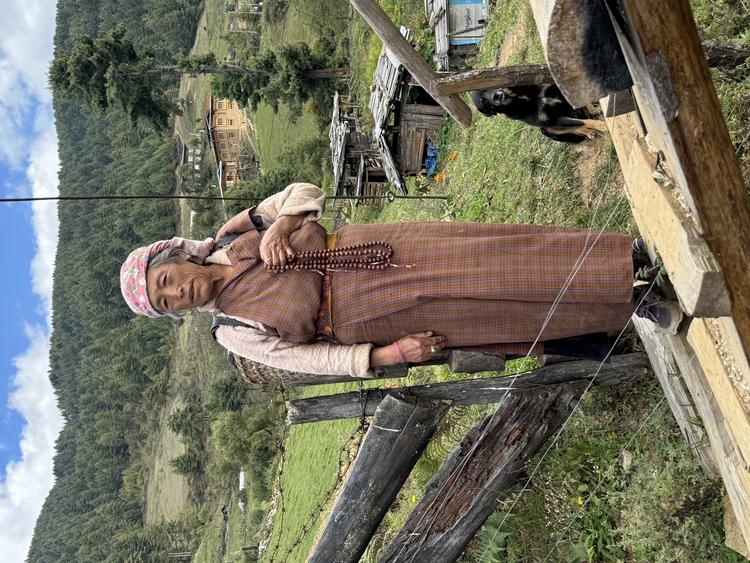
(220, 121)
(222, 135)
(224, 146)
(219, 105)
(231, 122)
(229, 105)
(232, 134)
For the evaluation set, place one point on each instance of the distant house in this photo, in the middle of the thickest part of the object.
(357, 166)
(241, 501)
(459, 27)
(226, 125)
(406, 119)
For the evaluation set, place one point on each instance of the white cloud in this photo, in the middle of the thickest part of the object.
(28, 140)
(29, 479)
(26, 31)
(42, 173)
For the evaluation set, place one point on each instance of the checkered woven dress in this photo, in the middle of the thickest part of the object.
(483, 285)
(487, 287)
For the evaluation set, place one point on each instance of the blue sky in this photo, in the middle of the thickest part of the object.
(28, 166)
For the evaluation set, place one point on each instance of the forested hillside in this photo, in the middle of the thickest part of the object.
(108, 369)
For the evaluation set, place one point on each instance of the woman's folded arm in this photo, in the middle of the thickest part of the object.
(324, 358)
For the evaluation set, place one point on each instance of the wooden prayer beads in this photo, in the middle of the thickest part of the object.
(363, 256)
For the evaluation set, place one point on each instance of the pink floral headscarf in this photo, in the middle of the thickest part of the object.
(133, 270)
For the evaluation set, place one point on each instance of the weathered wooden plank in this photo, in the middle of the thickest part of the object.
(677, 99)
(664, 224)
(397, 436)
(455, 506)
(581, 49)
(408, 56)
(496, 77)
(469, 391)
(710, 408)
(732, 530)
(722, 378)
(661, 354)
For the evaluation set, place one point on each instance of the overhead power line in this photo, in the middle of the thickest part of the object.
(389, 196)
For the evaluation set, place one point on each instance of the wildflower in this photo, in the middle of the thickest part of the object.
(579, 501)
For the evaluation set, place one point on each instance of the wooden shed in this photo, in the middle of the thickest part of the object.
(356, 158)
(459, 27)
(406, 119)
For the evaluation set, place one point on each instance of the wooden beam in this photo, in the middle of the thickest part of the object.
(496, 77)
(677, 99)
(389, 34)
(726, 451)
(723, 380)
(456, 503)
(664, 223)
(398, 434)
(468, 391)
(661, 354)
(581, 49)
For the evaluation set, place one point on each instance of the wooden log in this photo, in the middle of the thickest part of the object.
(466, 392)
(665, 225)
(581, 49)
(464, 361)
(718, 54)
(724, 55)
(381, 24)
(398, 434)
(678, 102)
(455, 506)
(661, 354)
(496, 77)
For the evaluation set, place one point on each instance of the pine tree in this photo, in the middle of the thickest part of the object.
(107, 70)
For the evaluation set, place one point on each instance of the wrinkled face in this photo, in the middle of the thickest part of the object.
(179, 284)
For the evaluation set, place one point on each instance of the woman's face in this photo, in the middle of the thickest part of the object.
(179, 285)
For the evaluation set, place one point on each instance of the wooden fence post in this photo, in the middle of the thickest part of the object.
(381, 24)
(455, 506)
(398, 434)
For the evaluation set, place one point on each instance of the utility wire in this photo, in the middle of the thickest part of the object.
(389, 196)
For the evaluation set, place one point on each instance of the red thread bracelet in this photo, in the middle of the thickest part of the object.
(400, 352)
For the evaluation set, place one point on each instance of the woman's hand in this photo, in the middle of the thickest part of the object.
(415, 348)
(275, 249)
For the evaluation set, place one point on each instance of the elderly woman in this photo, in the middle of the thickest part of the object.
(391, 293)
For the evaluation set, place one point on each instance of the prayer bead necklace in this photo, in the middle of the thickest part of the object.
(363, 256)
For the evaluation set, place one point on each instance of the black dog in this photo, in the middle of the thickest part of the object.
(541, 106)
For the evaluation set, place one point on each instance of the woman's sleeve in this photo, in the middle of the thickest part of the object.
(323, 358)
(295, 199)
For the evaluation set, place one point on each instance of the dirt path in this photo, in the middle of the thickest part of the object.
(167, 493)
(512, 39)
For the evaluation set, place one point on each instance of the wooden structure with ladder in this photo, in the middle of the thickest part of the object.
(406, 118)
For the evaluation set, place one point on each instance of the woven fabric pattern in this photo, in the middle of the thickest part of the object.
(483, 285)
(287, 302)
